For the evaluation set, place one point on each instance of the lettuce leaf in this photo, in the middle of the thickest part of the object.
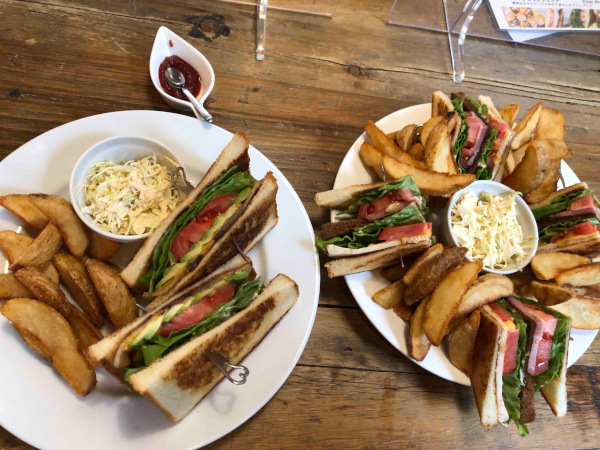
(551, 230)
(401, 183)
(369, 234)
(559, 346)
(230, 182)
(560, 203)
(575, 19)
(463, 134)
(483, 172)
(244, 295)
(481, 109)
(512, 382)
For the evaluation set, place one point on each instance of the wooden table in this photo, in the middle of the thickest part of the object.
(303, 106)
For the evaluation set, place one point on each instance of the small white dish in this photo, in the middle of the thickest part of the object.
(524, 217)
(117, 149)
(168, 44)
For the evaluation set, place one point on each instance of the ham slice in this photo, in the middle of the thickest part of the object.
(512, 338)
(576, 212)
(545, 325)
(503, 130)
(471, 149)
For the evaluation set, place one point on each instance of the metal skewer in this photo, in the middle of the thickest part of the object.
(224, 365)
(141, 307)
(180, 172)
(241, 252)
(383, 175)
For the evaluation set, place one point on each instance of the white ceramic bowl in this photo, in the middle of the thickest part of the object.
(167, 44)
(117, 149)
(524, 217)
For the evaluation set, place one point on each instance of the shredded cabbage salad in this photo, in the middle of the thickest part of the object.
(487, 226)
(129, 198)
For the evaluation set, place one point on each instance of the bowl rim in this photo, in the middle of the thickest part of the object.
(498, 188)
(73, 190)
(163, 29)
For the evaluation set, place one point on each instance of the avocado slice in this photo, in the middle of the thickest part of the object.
(148, 332)
(172, 272)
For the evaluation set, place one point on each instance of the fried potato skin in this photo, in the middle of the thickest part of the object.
(419, 344)
(530, 172)
(49, 334)
(41, 250)
(462, 341)
(100, 248)
(114, 294)
(63, 216)
(20, 206)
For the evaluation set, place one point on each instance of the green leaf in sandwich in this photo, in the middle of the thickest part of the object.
(189, 318)
(547, 232)
(561, 203)
(165, 265)
(370, 196)
(512, 382)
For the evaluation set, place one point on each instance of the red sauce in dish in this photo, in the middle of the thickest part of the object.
(192, 78)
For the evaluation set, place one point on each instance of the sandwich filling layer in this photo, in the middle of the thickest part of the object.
(513, 366)
(194, 315)
(194, 232)
(393, 212)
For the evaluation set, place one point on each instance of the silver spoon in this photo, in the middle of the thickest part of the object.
(176, 80)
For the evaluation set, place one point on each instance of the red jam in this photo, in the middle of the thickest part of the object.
(192, 78)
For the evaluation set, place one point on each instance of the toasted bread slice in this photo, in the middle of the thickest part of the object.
(555, 392)
(564, 191)
(373, 260)
(491, 338)
(440, 104)
(344, 197)
(235, 153)
(177, 382)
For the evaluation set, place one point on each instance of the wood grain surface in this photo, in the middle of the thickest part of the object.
(303, 106)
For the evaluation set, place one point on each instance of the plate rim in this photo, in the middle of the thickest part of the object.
(350, 154)
(281, 178)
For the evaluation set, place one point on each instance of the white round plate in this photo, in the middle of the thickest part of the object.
(364, 285)
(40, 408)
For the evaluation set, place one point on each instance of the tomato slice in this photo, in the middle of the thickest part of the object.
(193, 231)
(405, 231)
(581, 229)
(199, 310)
(512, 338)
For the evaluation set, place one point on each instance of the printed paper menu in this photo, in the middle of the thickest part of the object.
(539, 15)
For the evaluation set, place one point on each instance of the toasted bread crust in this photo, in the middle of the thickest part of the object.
(331, 229)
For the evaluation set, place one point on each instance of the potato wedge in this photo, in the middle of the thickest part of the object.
(583, 311)
(428, 181)
(20, 206)
(44, 290)
(438, 152)
(547, 266)
(394, 273)
(53, 338)
(414, 270)
(100, 247)
(548, 186)
(74, 276)
(62, 215)
(417, 151)
(41, 250)
(10, 287)
(403, 311)
(530, 172)
(372, 158)
(381, 141)
(485, 289)
(445, 300)
(526, 126)
(117, 300)
(555, 149)
(419, 344)
(13, 244)
(587, 275)
(551, 125)
(462, 341)
(406, 137)
(509, 114)
(389, 296)
(428, 127)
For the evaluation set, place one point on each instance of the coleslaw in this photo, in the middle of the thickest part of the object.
(129, 198)
(487, 226)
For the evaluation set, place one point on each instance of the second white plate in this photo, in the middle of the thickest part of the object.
(364, 285)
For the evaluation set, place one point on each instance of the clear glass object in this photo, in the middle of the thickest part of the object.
(462, 18)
